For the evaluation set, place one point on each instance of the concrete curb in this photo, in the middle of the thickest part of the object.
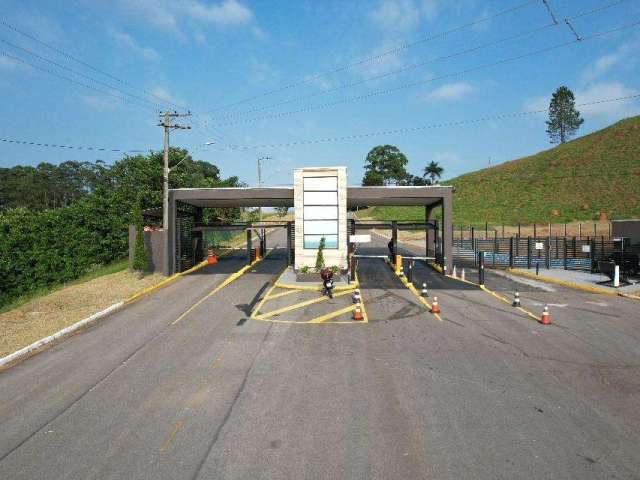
(28, 350)
(575, 286)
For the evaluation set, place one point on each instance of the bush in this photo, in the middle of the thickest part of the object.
(140, 261)
(320, 256)
(42, 249)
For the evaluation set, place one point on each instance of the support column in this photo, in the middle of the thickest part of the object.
(198, 238)
(289, 246)
(447, 232)
(170, 238)
(430, 250)
(394, 238)
(249, 244)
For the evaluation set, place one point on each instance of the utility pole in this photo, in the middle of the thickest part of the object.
(260, 159)
(166, 121)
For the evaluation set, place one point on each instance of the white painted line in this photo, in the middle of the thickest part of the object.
(61, 333)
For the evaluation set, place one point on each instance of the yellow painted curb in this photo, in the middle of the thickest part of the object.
(505, 300)
(146, 291)
(413, 290)
(317, 288)
(298, 305)
(230, 279)
(281, 294)
(575, 286)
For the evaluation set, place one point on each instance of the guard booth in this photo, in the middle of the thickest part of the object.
(321, 199)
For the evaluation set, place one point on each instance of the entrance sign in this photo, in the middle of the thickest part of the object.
(586, 248)
(359, 238)
(539, 246)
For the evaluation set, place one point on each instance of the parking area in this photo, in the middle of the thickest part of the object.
(487, 392)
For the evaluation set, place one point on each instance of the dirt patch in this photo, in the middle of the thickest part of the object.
(46, 315)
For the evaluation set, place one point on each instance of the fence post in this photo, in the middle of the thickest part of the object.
(565, 229)
(547, 252)
(511, 252)
(486, 230)
(528, 252)
(519, 229)
(481, 268)
(495, 247)
(592, 247)
(535, 232)
(473, 245)
(564, 260)
(580, 230)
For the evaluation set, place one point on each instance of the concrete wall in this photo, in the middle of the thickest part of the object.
(153, 243)
(626, 228)
(307, 257)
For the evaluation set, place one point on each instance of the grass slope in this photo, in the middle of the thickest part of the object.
(594, 174)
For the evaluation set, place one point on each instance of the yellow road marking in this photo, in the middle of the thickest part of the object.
(231, 278)
(575, 286)
(167, 443)
(329, 316)
(281, 294)
(413, 290)
(314, 288)
(505, 300)
(296, 306)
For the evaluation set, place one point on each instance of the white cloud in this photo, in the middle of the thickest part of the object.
(229, 12)
(396, 15)
(200, 38)
(171, 14)
(99, 103)
(450, 92)
(609, 111)
(604, 64)
(8, 64)
(165, 95)
(125, 40)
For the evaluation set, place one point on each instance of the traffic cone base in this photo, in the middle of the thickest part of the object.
(212, 259)
(545, 319)
(435, 308)
(357, 314)
(516, 300)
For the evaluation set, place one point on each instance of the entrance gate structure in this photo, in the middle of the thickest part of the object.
(439, 240)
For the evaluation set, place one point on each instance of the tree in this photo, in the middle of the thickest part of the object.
(564, 119)
(432, 173)
(282, 211)
(320, 255)
(385, 164)
(140, 262)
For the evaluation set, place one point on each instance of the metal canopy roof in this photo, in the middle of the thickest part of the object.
(283, 196)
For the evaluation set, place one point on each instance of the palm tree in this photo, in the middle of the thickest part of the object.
(434, 172)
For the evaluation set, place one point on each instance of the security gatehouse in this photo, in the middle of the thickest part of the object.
(321, 200)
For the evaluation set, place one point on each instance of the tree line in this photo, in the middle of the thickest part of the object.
(387, 165)
(58, 222)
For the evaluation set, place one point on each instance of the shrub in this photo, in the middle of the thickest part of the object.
(320, 256)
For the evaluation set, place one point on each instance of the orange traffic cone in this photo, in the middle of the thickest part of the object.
(357, 313)
(435, 308)
(546, 317)
(211, 257)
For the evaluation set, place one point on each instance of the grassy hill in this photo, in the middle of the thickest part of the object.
(580, 180)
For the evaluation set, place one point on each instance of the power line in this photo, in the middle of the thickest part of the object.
(69, 147)
(379, 56)
(394, 72)
(77, 82)
(75, 72)
(430, 80)
(395, 131)
(68, 56)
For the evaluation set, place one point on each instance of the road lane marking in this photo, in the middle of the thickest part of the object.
(296, 306)
(230, 279)
(167, 443)
(281, 294)
(329, 316)
(508, 302)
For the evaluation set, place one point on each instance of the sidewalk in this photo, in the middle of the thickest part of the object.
(579, 278)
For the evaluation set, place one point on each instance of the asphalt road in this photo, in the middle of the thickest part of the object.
(486, 393)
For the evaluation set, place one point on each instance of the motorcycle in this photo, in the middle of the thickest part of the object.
(327, 282)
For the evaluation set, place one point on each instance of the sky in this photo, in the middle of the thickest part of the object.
(279, 79)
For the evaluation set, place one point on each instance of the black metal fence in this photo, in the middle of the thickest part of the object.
(570, 253)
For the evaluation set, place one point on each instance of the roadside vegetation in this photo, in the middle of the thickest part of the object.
(594, 177)
(58, 223)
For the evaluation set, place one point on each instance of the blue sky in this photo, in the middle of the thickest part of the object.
(206, 54)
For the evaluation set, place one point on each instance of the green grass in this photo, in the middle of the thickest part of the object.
(97, 272)
(580, 180)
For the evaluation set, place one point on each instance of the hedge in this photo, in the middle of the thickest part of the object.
(42, 249)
